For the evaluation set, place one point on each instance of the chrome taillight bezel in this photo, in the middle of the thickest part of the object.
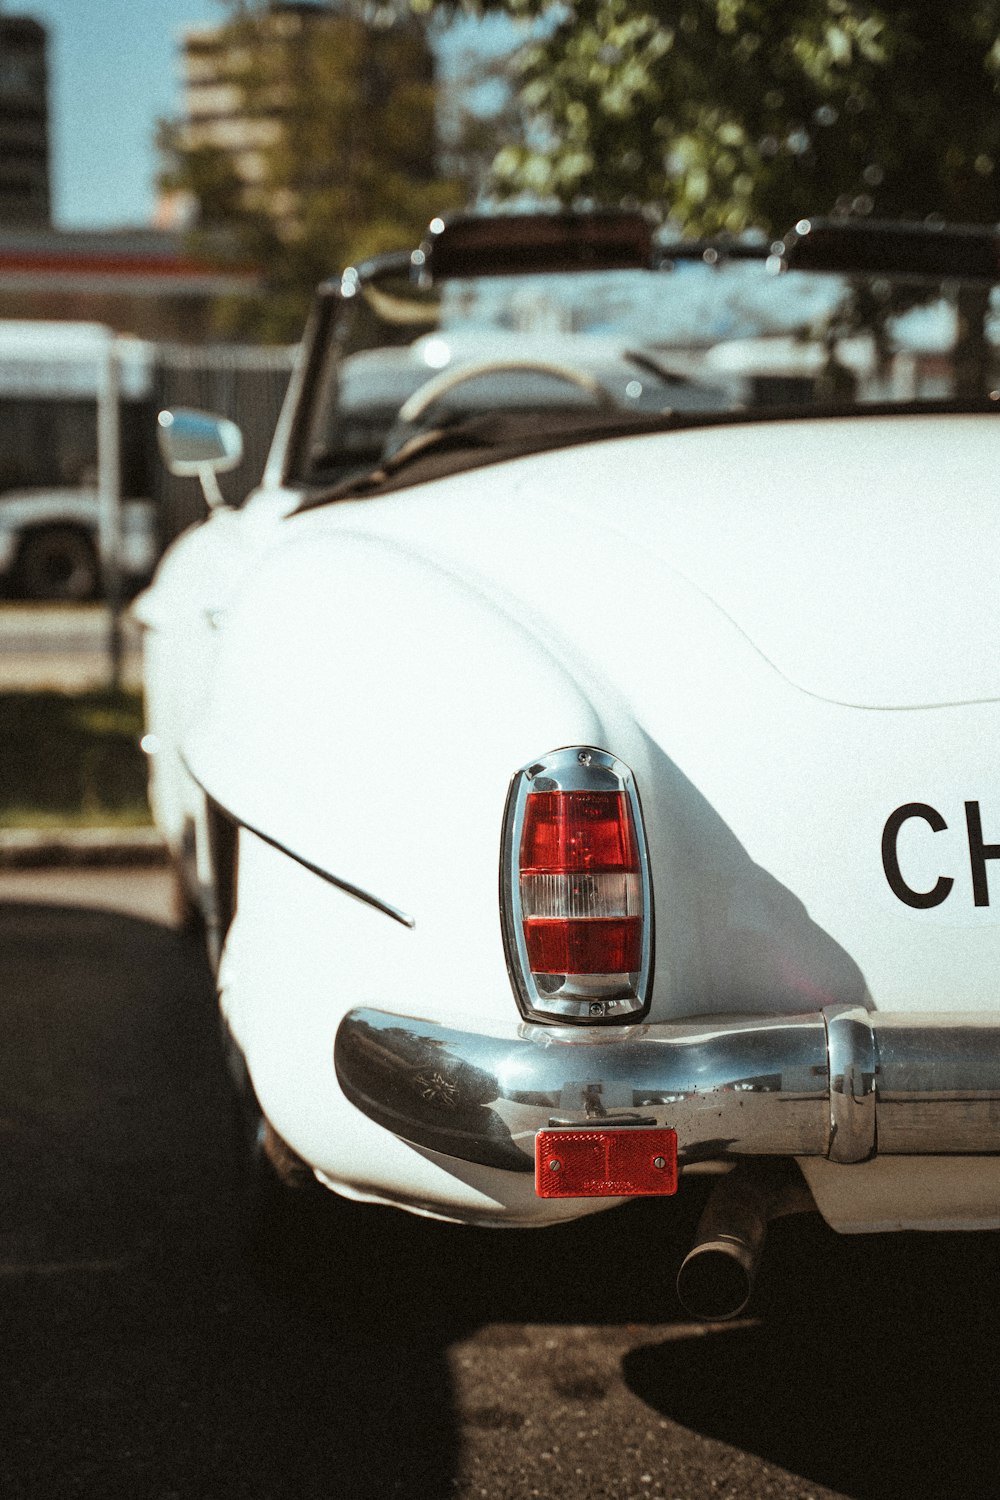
(573, 999)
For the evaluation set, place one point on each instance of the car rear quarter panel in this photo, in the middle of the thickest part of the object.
(380, 678)
(369, 712)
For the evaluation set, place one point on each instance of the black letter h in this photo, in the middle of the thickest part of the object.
(979, 853)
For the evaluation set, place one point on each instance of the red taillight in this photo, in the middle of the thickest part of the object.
(576, 923)
(585, 831)
(580, 883)
(587, 945)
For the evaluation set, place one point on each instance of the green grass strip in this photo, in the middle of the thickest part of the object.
(71, 760)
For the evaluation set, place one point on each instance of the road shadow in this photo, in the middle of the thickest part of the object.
(144, 1356)
(147, 1353)
(870, 1367)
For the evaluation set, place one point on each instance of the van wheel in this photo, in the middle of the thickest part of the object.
(59, 562)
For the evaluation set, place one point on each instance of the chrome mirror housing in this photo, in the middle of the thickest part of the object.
(200, 445)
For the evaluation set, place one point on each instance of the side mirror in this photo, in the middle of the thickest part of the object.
(199, 445)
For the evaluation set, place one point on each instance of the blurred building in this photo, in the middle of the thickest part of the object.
(24, 123)
(240, 95)
(139, 281)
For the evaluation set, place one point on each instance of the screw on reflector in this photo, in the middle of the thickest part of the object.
(555, 1166)
(659, 1162)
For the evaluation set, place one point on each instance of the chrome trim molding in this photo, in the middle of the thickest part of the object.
(366, 897)
(342, 885)
(822, 1084)
(853, 1063)
(578, 998)
(948, 1092)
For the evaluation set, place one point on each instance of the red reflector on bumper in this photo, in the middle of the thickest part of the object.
(622, 1163)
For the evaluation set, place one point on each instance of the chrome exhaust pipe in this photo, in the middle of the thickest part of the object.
(717, 1275)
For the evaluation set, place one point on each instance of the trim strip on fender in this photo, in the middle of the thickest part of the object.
(395, 912)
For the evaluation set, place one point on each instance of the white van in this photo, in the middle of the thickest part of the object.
(58, 521)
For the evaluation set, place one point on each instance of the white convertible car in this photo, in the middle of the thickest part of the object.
(582, 746)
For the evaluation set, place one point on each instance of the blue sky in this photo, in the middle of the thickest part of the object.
(114, 69)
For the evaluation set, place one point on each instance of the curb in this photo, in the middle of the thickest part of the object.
(33, 849)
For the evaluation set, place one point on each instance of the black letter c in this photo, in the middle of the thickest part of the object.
(890, 858)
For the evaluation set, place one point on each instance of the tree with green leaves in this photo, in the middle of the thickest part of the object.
(325, 153)
(735, 113)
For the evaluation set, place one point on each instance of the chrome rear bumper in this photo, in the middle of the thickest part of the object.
(842, 1083)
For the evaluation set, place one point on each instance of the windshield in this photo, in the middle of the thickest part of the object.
(629, 348)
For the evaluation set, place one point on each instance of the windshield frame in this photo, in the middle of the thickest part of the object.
(327, 340)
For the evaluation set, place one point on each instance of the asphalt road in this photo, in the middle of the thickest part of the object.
(62, 645)
(148, 1353)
